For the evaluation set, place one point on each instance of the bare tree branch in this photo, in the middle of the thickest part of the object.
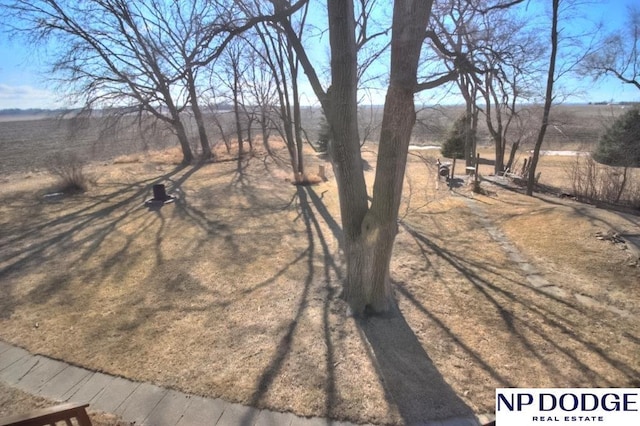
(450, 76)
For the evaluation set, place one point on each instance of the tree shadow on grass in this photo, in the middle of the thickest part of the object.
(411, 381)
(525, 318)
(87, 226)
(96, 221)
(314, 236)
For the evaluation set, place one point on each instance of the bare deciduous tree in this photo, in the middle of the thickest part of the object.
(481, 46)
(233, 67)
(369, 231)
(619, 52)
(109, 53)
(279, 57)
(574, 50)
(140, 55)
(509, 58)
(548, 99)
(457, 41)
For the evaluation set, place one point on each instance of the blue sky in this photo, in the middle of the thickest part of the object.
(23, 82)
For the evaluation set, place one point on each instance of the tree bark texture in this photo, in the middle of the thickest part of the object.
(183, 139)
(236, 112)
(197, 114)
(342, 115)
(370, 232)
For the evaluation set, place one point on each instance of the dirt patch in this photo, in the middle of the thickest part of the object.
(232, 291)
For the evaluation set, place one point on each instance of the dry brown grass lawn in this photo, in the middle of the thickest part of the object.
(233, 290)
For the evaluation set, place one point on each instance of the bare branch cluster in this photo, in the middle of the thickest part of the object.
(146, 56)
(168, 59)
(491, 55)
(618, 53)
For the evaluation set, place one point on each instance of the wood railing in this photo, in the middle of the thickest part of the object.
(51, 416)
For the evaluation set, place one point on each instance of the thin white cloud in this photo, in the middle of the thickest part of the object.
(25, 96)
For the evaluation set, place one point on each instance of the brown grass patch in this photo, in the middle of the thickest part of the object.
(233, 290)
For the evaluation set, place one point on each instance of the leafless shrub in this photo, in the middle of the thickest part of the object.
(598, 183)
(68, 167)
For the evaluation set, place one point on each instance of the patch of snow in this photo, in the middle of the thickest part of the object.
(423, 147)
(565, 153)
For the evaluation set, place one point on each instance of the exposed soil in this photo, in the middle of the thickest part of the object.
(232, 291)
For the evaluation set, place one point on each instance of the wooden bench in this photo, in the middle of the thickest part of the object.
(50, 416)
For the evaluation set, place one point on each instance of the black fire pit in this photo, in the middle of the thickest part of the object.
(160, 196)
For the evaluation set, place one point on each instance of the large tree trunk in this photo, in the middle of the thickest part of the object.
(341, 111)
(297, 117)
(249, 130)
(287, 132)
(370, 233)
(236, 115)
(380, 226)
(181, 133)
(470, 118)
(197, 114)
(474, 134)
(297, 122)
(497, 132)
(183, 139)
(499, 165)
(178, 126)
(265, 130)
(236, 107)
